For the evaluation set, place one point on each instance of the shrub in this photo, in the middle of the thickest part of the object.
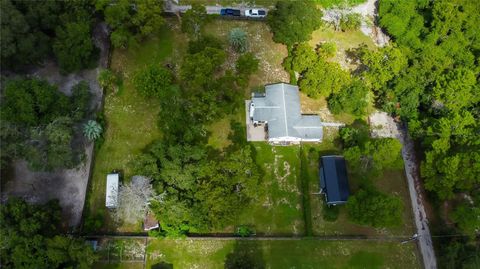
(238, 40)
(153, 80)
(350, 22)
(371, 207)
(330, 213)
(327, 49)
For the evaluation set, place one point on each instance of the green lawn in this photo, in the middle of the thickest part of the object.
(278, 209)
(131, 122)
(212, 254)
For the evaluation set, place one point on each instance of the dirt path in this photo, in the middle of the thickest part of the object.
(69, 185)
(384, 126)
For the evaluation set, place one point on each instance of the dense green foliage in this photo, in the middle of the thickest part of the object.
(350, 22)
(369, 207)
(73, 46)
(131, 20)
(31, 239)
(246, 65)
(238, 40)
(327, 49)
(200, 193)
(32, 30)
(352, 99)
(437, 92)
(152, 80)
(293, 21)
(374, 156)
(318, 76)
(37, 123)
(324, 78)
(194, 19)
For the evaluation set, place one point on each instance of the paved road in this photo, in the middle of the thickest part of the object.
(171, 7)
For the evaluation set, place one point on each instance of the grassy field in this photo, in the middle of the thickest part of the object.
(131, 122)
(278, 208)
(282, 254)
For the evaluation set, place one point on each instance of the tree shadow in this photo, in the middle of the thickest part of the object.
(246, 254)
(162, 265)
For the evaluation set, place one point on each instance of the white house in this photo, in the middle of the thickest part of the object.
(111, 199)
(279, 110)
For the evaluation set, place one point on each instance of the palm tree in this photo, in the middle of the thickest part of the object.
(238, 39)
(92, 130)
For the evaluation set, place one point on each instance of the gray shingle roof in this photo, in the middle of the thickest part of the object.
(280, 107)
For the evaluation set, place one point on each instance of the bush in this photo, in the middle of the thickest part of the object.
(371, 207)
(350, 22)
(330, 213)
(247, 64)
(238, 40)
(107, 80)
(352, 99)
(153, 80)
(327, 49)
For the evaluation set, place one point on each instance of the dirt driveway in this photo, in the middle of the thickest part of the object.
(68, 186)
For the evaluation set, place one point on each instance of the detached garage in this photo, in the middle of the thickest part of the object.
(111, 199)
(334, 180)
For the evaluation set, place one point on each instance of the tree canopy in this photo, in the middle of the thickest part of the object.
(31, 239)
(370, 207)
(38, 123)
(32, 30)
(131, 20)
(293, 21)
(430, 81)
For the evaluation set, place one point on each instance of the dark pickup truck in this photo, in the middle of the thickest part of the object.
(230, 12)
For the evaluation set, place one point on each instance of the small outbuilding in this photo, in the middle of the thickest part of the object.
(334, 180)
(150, 222)
(111, 199)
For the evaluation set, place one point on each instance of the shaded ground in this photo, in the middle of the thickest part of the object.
(68, 186)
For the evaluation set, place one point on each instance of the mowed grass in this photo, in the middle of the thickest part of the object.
(278, 207)
(131, 122)
(188, 253)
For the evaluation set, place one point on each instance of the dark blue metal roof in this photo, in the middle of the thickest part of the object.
(333, 179)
